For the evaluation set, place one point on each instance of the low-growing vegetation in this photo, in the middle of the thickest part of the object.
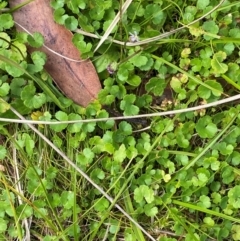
(158, 177)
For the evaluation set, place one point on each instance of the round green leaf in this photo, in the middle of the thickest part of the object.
(202, 4)
(156, 86)
(35, 40)
(135, 80)
(234, 197)
(3, 225)
(205, 128)
(71, 23)
(6, 21)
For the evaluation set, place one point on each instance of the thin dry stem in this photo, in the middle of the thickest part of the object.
(149, 40)
(113, 23)
(165, 113)
(19, 190)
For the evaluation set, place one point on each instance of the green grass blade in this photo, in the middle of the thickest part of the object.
(205, 210)
(129, 208)
(231, 82)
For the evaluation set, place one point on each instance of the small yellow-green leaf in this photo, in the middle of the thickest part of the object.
(217, 63)
(4, 40)
(176, 84)
(120, 154)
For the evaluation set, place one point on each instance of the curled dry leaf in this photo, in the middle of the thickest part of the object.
(77, 79)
